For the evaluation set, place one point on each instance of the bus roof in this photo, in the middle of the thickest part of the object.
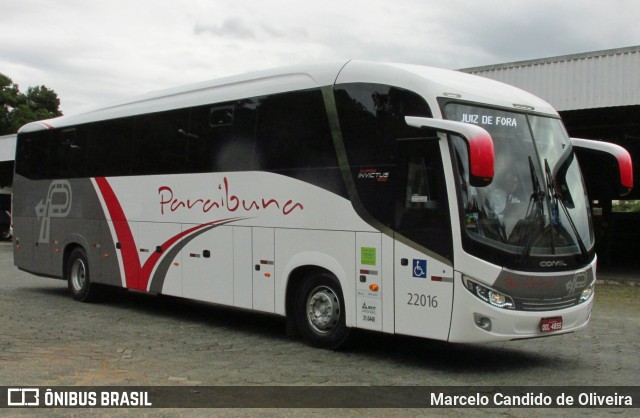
(428, 81)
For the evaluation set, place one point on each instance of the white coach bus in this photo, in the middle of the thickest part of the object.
(395, 198)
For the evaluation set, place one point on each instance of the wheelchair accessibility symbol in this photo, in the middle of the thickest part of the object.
(420, 269)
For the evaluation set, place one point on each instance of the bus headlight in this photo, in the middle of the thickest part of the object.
(586, 293)
(492, 297)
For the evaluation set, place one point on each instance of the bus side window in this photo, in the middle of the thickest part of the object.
(293, 133)
(293, 138)
(418, 195)
(110, 147)
(371, 118)
(33, 154)
(68, 154)
(159, 145)
(221, 136)
(422, 211)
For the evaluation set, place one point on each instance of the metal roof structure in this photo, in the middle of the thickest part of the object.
(598, 79)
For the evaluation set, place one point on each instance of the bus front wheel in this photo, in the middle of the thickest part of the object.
(78, 277)
(320, 313)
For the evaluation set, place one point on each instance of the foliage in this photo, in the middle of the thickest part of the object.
(17, 108)
(626, 205)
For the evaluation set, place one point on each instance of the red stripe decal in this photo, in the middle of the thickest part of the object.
(130, 259)
(137, 276)
(149, 265)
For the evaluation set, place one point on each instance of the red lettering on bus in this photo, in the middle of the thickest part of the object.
(169, 203)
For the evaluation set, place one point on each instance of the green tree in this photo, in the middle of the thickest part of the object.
(17, 109)
(8, 101)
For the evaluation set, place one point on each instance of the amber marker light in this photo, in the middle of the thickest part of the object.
(374, 287)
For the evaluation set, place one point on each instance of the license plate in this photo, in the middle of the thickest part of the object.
(551, 324)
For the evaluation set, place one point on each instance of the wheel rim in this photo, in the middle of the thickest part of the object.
(323, 309)
(78, 274)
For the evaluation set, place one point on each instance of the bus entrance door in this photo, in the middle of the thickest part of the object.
(423, 275)
(423, 294)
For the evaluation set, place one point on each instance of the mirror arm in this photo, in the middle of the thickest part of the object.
(478, 140)
(622, 156)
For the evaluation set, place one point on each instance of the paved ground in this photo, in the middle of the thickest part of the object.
(134, 339)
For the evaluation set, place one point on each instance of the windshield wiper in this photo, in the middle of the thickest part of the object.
(555, 216)
(538, 194)
(535, 211)
(556, 200)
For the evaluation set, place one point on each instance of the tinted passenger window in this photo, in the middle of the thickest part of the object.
(293, 132)
(32, 154)
(221, 136)
(422, 210)
(161, 143)
(372, 120)
(68, 153)
(294, 139)
(110, 145)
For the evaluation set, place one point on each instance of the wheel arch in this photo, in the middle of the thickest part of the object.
(68, 249)
(301, 266)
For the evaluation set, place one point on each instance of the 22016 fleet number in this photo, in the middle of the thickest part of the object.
(418, 299)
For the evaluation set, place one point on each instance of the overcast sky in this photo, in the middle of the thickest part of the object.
(92, 52)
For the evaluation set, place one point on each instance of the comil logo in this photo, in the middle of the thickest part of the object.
(558, 263)
(23, 397)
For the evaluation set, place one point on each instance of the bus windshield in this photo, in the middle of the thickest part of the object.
(536, 205)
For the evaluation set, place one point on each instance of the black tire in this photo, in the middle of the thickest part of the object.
(79, 277)
(320, 314)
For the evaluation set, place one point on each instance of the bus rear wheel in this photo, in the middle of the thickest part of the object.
(78, 277)
(320, 314)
